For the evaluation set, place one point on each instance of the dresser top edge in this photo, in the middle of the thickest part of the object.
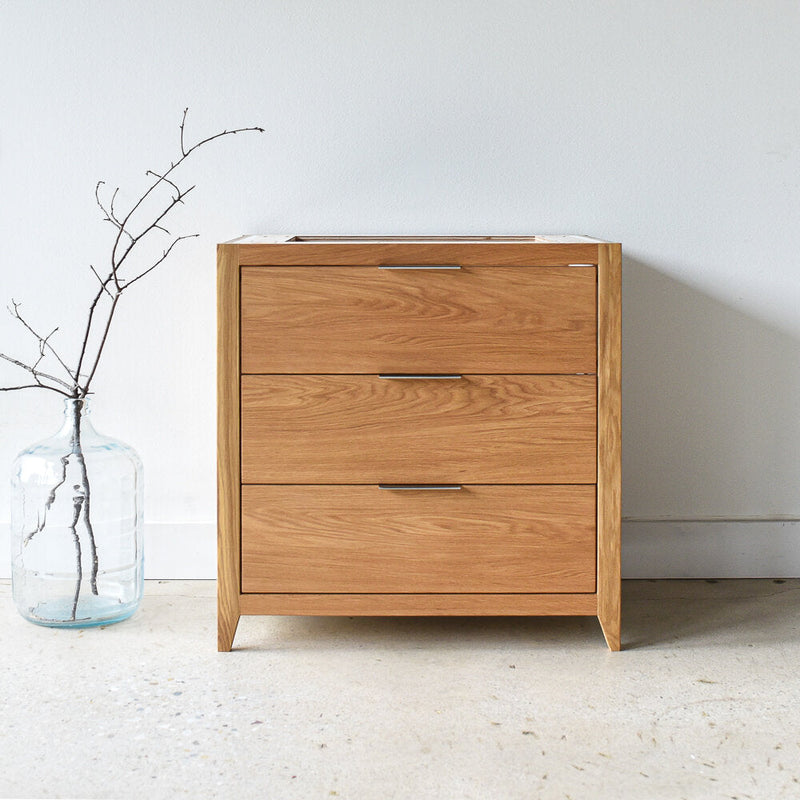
(279, 239)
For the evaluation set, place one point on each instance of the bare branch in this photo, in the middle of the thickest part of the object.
(85, 388)
(103, 283)
(156, 225)
(89, 322)
(114, 283)
(183, 124)
(110, 214)
(38, 375)
(163, 178)
(33, 386)
(42, 348)
(163, 256)
(219, 135)
(111, 204)
(77, 505)
(43, 340)
(99, 201)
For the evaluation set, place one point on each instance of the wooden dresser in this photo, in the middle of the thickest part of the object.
(419, 426)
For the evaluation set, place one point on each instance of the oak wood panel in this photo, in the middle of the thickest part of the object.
(365, 319)
(421, 605)
(464, 254)
(364, 429)
(228, 469)
(609, 441)
(357, 539)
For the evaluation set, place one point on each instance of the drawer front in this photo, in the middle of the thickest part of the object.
(363, 539)
(368, 319)
(367, 429)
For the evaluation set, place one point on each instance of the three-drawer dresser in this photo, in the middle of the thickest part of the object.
(419, 426)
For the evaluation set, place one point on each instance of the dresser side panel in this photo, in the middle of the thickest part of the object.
(609, 433)
(228, 458)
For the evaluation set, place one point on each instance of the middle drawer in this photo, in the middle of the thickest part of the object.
(367, 429)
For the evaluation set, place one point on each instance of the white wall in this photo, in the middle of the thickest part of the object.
(673, 127)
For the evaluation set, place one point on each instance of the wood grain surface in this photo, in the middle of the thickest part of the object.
(470, 253)
(365, 319)
(364, 429)
(228, 469)
(365, 539)
(609, 442)
(534, 329)
(422, 605)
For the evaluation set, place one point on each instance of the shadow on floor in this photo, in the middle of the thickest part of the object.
(710, 613)
(663, 613)
(416, 633)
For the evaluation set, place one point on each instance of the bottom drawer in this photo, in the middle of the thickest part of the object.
(479, 539)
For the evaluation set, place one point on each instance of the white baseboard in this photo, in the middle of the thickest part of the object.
(650, 549)
(711, 549)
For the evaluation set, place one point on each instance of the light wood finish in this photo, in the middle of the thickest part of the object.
(365, 320)
(609, 435)
(358, 539)
(477, 254)
(365, 429)
(507, 423)
(228, 480)
(422, 605)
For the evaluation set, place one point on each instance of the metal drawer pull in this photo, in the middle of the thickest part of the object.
(401, 377)
(420, 266)
(428, 487)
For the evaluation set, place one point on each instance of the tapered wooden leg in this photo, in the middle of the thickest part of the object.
(226, 630)
(611, 630)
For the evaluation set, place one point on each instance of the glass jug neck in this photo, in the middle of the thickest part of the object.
(76, 417)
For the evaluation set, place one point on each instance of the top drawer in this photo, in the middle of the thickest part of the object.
(371, 319)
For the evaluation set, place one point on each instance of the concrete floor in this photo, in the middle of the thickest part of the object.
(703, 703)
